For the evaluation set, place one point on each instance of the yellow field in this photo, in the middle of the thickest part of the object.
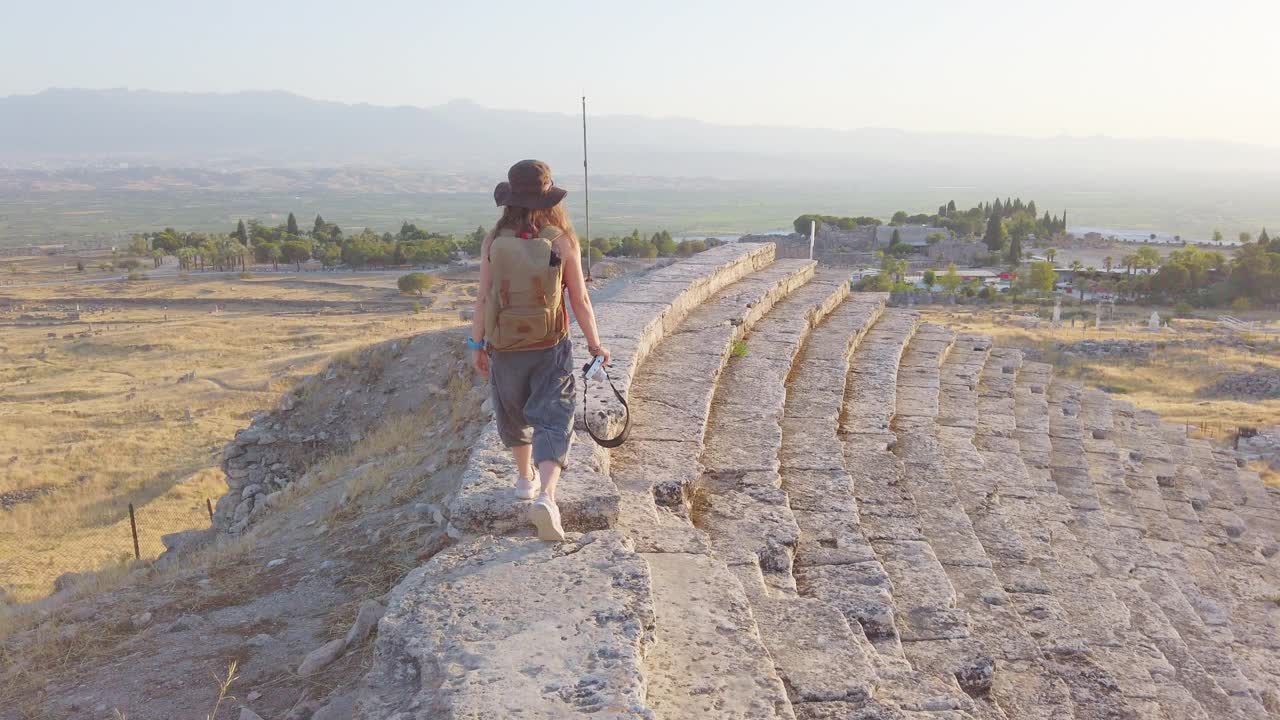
(131, 399)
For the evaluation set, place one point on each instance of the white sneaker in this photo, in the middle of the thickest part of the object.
(527, 488)
(546, 517)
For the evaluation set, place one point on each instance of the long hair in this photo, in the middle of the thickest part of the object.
(519, 220)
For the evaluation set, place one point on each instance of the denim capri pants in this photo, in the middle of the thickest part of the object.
(534, 400)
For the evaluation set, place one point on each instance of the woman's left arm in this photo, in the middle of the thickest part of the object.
(579, 298)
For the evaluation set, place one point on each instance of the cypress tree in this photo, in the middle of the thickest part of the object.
(994, 237)
(292, 226)
(942, 211)
(1263, 240)
(997, 210)
(1015, 249)
(1031, 208)
(318, 228)
(242, 234)
(951, 207)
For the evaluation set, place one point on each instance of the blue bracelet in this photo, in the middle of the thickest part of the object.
(475, 344)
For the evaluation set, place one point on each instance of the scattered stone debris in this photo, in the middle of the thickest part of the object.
(17, 497)
(1127, 349)
(1263, 444)
(1260, 384)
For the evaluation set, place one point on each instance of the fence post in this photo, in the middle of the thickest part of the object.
(209, 506)
(133, 525)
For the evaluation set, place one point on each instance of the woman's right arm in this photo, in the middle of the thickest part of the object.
(479, 357)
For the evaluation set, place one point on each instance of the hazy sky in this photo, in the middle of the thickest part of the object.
(1114, 67)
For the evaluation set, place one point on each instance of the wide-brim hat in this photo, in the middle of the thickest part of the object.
(529, 185)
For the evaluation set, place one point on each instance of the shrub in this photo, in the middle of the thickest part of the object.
(1240, 304)
(417, 308)
(739, 348)
(136, 276)
(1182, 310)
(415, 282)
(246, 275)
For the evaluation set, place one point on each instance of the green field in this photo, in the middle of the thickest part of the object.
(107, 217)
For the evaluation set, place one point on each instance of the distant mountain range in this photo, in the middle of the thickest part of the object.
(63, 128)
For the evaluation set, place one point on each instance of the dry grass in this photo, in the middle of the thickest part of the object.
(1269, 475)
(99, 415)
(1170, 382)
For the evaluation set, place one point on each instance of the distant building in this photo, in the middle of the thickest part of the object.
(859, 239)
(914, 235)
(960, 252)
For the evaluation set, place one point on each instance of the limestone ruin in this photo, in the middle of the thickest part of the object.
(830, 510)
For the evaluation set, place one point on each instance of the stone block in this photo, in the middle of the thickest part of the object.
(453, 643)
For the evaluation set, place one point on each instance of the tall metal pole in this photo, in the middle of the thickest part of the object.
(586, 189)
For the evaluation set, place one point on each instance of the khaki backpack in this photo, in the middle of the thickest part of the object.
(525, 308)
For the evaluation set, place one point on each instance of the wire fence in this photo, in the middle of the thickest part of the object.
(1219, 431)
(35, 561)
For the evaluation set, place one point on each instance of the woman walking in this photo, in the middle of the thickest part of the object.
(520, 332)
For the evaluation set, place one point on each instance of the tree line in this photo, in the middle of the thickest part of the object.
(1193, 275)
(660, 244)
(1190, 276)
(255, 241)
(1005, 224)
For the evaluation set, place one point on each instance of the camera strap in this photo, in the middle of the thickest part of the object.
(626, 412)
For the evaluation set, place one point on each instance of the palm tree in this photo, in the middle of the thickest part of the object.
(1129, 262)
(185, 256)
(1050, 254)
(1106, 261)
(1147, 258)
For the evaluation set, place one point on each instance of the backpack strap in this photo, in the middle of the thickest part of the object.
(626, 413)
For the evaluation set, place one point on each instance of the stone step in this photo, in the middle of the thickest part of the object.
(835, 559)
(707, 659)
(631, 323)
(743, 507)
(934, 439)
(885, 513)
(1162, 613)
(513, 627)
(1030, 679)
(634, 321)
(1062, 595)
(671, 397)
(747, 514)
(1212, 589)
(826, 663)
(1224, 487)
